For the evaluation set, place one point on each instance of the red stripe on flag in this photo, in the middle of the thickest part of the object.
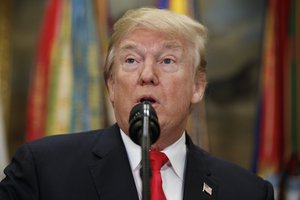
(275, 67)
(37, 105)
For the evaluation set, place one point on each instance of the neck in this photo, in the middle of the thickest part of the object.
(165, 141)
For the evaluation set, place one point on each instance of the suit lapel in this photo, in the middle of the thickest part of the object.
(199, 183)
(111, 170)
(113, 178)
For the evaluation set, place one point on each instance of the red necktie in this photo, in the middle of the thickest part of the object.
(157, 160)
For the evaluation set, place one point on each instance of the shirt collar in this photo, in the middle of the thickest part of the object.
(177, 155)
(175, 152)
(133, 151)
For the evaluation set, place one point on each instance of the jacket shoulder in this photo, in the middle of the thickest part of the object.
(233, 180)
(66, 146)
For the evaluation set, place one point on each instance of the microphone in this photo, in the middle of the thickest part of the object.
(138, 117)
(144, 130)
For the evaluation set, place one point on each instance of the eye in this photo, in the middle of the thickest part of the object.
(169, 64)
(131, 63)
(168, 61)
(130, 60)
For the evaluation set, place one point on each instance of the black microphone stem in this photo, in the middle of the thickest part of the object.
(144, 130)
(145, 143)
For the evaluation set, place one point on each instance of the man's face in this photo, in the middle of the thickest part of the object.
(152, 66)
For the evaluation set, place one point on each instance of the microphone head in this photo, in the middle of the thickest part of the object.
(136, 117)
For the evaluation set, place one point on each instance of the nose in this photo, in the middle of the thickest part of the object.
(149, 74)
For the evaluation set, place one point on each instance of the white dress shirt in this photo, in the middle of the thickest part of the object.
(172, 172)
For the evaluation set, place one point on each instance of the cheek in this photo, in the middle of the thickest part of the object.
(180, 92)
(123, 86)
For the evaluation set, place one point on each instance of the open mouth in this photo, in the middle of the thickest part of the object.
(149, 99)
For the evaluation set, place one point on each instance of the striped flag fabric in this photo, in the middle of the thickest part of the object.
(271, 126)
(104, 30)
(38, 94)
(67, 92)
(87, 109)
(278, 135)
(179, 6)
(60, 75)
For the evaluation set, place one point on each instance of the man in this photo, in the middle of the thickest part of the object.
(156, 56)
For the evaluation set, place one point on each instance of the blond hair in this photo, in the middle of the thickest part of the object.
(165, 21)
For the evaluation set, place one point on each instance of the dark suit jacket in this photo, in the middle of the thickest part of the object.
(94, 165)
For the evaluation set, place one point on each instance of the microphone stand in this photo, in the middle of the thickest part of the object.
(143, 122)
(145, 143)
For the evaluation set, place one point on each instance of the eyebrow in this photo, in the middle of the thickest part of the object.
(129, 45)
(172, 45)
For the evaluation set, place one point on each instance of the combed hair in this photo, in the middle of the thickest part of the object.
(164, 21)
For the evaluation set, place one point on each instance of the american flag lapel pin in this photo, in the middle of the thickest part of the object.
(207, 189)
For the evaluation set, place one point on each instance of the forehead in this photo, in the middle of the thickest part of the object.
(146, 38)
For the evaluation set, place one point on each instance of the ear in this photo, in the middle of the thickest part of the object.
(199, 88)
(111, 89)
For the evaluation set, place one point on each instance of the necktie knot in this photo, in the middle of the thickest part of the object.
(157, 160)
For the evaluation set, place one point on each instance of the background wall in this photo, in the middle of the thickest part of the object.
(234, 52)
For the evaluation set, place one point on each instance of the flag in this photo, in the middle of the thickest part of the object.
(60, 75)
(179, 6)
(104, 30)
(38, 94)
(289, 184)
(207, 189)
(67, 91)
(271, 113)
(277, 139)
(87, 105)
